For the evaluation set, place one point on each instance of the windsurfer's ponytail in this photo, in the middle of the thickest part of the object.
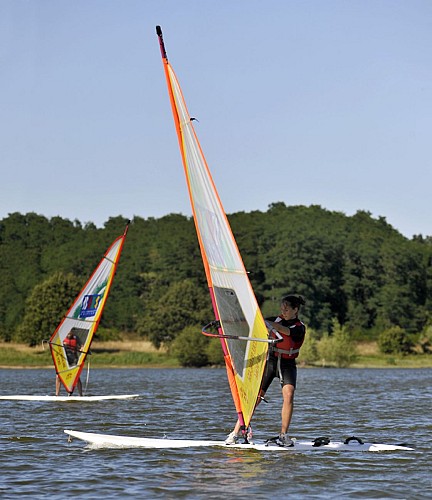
(293, 300)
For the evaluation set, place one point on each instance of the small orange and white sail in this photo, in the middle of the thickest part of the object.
(83, 318)
(233, 299)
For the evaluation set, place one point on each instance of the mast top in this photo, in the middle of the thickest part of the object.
(161, 42)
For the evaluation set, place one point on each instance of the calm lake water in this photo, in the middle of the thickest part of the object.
(388, 405)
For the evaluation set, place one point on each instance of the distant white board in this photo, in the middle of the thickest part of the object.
(112, 441)
(68, 398)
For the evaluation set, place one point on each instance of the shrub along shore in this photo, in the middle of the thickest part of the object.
(141, 354)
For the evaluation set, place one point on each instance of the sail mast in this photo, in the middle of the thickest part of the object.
(170, 77)
(84, 315)
(231, 293)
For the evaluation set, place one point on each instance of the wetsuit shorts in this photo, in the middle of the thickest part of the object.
(288, 370)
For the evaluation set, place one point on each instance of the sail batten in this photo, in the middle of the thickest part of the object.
(82, 320)
(233, 299)
(83, 317)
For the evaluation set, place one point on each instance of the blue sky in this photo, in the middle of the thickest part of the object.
(323, 102)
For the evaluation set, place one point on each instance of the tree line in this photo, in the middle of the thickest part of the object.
(356, 270)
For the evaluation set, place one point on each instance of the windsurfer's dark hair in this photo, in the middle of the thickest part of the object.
(293, 300)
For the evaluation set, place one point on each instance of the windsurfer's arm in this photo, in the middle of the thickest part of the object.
(78, 344)
(278, 327)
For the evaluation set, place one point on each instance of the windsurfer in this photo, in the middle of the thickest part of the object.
(72, 346)
(281, 364)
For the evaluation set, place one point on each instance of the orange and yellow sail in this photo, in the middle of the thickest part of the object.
(83, 317)
(233, 299)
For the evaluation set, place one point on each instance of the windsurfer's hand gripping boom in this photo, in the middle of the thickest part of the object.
(216, 325)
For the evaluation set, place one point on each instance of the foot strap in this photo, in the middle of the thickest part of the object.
(321, 441)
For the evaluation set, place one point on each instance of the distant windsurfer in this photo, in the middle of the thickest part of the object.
(72, 346)
(281, 364)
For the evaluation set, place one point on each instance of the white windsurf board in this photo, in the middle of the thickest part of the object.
(68, 398)
(112, 441)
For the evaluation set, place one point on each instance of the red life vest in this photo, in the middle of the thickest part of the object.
(288, 348)
(71, 342)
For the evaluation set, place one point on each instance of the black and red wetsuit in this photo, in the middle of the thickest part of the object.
(281, 362)
(72, 346)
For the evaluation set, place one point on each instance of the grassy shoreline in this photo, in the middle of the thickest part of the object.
(111, 354)
(141, 354)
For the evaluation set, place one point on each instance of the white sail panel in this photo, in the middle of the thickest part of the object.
(83, 317)
(233, 298)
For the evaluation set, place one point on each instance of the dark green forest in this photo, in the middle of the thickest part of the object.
(356, 270)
